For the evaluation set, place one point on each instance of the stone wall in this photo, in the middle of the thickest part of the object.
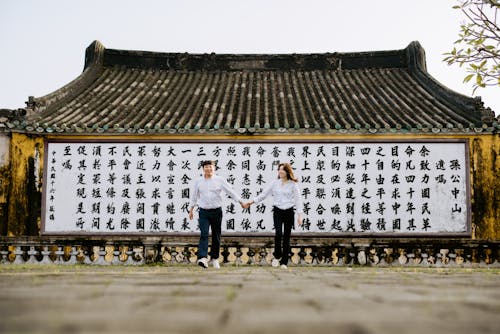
(25, 186)
(21, 181)
(485, 184)
(4, 181)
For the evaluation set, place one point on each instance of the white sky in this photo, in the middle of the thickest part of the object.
(43, 42)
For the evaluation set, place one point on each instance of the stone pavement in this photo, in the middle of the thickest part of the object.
(247, 299)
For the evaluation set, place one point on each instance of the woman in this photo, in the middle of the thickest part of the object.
(286, 196)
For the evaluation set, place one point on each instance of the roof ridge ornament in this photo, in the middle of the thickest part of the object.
(94, 54)
(415, 57)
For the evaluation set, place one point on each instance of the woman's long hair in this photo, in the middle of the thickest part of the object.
(289, 171)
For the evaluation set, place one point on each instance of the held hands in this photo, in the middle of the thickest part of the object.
(243, 205)
(246, 205)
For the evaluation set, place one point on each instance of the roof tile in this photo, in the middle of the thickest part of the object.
(144, 92)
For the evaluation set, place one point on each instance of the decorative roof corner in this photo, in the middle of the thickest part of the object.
(94, 54)
(415, 57)
(31, 106)
(461, 104)
(94, 58)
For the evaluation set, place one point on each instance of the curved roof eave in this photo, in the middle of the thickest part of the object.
(411, 60)
(459, 103)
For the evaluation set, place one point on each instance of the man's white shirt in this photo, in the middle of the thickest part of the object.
(207, 192)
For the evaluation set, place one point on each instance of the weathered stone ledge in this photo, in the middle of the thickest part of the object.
(114, 250)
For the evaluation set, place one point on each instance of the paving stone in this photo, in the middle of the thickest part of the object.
(247, 299)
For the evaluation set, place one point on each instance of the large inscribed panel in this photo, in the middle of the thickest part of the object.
(369, 187)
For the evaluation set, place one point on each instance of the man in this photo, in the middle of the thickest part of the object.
(207, 194)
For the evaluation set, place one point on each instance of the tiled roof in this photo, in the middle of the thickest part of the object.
(146, 92)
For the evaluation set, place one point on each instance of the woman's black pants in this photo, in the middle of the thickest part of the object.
(283, 224)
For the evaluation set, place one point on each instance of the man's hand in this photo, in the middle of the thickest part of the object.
(191, 214)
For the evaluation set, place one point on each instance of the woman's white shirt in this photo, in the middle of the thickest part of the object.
(285, 195)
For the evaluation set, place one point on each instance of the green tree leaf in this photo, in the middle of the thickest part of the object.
(467, 78)
(478, 43)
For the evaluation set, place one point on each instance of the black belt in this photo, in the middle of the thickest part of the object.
(276, 208)
(211, 210)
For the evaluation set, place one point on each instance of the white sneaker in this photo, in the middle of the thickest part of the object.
(215, 264)
(203, 262)
(283, 266)
(275, 263)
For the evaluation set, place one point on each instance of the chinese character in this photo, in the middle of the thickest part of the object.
(336, 209)
(365, 224)
(335, 225)
(381, 224)
(409, 151)
(82, 150)
(424, 151)
(156, 151)
(379, 151)
(411, 224)
(365, 150)
(276, 152)
(426, 224)
(454, 165)
(349, 151)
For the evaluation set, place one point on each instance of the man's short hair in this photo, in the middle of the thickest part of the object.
(207, 162)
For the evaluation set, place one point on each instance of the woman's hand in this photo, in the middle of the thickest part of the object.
(299, 220)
